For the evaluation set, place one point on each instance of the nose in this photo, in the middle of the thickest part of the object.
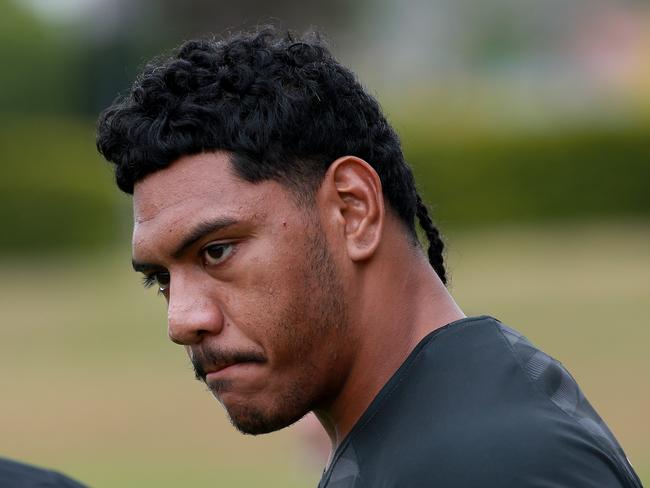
(191, 315)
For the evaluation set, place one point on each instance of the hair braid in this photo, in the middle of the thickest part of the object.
(436, 246)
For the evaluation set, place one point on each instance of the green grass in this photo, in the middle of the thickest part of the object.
(91, 386)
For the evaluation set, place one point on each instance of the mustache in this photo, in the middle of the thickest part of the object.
(211, 359)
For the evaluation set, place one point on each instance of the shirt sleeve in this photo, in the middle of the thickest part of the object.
(19, 475)
(575, 446)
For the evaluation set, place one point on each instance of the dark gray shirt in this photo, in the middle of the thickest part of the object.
(477, 405)
(18, 475)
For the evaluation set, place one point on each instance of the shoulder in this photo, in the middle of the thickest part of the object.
(479, 402)
(563, 423)
(532, 421)
(20, 475)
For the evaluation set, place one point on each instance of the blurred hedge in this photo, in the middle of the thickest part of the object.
(58, 194)
(482, 178)
(55, 191)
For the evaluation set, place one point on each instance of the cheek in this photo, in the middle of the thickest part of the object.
(271, 273)
(260, 296)
(273, 311)
(278, 293)
(276, 310)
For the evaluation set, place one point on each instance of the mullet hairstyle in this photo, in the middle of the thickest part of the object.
(282, 106)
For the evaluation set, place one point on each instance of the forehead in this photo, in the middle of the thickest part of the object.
(196, 188)
(188, 182)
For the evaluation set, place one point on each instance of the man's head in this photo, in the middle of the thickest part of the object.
(239, 154)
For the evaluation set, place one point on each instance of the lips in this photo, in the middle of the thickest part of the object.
(214, 362)
(217, 372)
(219, 367)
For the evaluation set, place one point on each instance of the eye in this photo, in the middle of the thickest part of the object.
(160, 278)
(215, 254)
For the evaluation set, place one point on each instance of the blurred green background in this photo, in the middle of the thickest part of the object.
(527, 125)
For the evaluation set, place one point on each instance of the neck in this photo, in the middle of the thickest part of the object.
(387, 331)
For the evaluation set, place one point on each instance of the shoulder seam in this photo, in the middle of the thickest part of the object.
(632, 483)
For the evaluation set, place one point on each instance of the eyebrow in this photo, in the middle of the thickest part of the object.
(197, 233)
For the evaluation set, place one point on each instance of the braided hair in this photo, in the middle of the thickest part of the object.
(436, 246)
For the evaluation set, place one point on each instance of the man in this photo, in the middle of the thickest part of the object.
(275, 212)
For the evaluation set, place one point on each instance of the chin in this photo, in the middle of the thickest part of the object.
(255, 412)
(254, 421)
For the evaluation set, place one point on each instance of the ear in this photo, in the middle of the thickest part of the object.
(352, 197)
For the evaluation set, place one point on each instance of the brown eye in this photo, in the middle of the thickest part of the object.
(216, 253)
(163, 279)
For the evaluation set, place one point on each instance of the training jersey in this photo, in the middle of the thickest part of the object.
(475, 404)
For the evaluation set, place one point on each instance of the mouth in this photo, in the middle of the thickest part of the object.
(217, 364)
(218, 368)
(218, 373)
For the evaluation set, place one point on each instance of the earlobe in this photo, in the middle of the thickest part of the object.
(356, 190)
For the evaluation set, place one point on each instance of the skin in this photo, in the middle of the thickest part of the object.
(313, 308)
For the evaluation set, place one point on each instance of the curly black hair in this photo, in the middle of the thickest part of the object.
(282, 106)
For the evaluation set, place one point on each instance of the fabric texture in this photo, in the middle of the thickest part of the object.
(476, 404)
(19, 475)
